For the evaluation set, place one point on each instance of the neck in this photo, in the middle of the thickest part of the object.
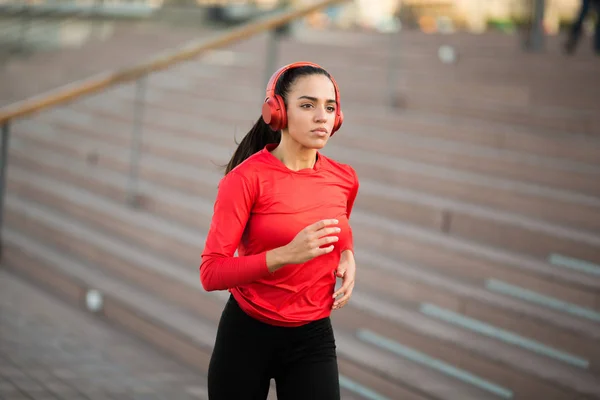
(293, 155)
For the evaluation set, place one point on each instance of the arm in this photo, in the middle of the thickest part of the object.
(220, 269)
(353, 194)
(347, 271)
(349, 206)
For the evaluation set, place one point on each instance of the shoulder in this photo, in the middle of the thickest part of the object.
(249, 168)
(344, 171)
(246, 174)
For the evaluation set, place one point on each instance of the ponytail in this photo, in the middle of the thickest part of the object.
(255, 140)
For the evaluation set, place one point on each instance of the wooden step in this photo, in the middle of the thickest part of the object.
(368, 232)
(375, 93)
(167, 327)
(177, 84)
(502, 309)
(502, 364)
(344, 62)
(578, 149)
(507, 305)
(584, 123)
(502, 193)
(350, 82)
(479, 47)
(389, 365)
(479, 55)
(517, 233)
(204, 183)
(479, 262)
(514, 232)
(389, 270)
(414, 83)
(244, 68)
(497, 136)
(161, 147)
(466, 260)
(164, 119)
(543, 74)
(163, 325)
(574, 175)
(401, 292)
(517, 115)
(87, 209)
(79, 241)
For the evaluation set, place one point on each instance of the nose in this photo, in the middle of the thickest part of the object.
(320, 114)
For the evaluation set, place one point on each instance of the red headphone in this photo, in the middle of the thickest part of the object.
(273, 109)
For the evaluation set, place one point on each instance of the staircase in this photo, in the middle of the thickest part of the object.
(477, 224)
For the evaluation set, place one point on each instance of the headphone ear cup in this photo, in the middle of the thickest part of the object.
(267, 112)
(273, 113)
(338, 122)
(281, 113)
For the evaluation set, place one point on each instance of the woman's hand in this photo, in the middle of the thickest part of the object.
(305, 246)
(307, 243)
(347, 271)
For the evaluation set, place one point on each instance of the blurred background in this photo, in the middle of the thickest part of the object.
(474, 127)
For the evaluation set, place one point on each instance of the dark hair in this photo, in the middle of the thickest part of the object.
(261, 134)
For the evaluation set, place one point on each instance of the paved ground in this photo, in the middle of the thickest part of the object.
(49, 350)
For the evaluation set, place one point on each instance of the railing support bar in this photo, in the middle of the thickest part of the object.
(393, 62)
(536, 34)
(24, 29)
(272, 53)
(136, 140)
(3, 166)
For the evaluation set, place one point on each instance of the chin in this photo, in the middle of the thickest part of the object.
(317, 144)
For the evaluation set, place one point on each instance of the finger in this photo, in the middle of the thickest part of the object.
(344, 299)
(341, 270)
(338, 292)
(322, 224)
(327, 231)
(319, 251)
(338, 306)
(326, 240)
(342, 305)
(345, 286)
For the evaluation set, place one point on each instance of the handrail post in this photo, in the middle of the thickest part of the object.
(24, 29)
(272, 46)
(136, 140)
(3, 165)
(271, 63)
(535, 41)
(393, 58)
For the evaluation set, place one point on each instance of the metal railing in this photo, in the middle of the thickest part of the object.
(139, 73)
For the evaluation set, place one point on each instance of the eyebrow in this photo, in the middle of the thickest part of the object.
(314, 99)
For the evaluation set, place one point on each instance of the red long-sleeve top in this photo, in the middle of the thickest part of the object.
(262, 205)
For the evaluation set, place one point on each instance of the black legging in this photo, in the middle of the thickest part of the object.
(248, 353)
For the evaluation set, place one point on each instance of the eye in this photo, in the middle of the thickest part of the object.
(306, 105)
(331, 108)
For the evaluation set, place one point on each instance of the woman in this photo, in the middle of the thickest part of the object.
(284, 207)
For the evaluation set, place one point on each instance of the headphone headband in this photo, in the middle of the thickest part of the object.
(275, 77)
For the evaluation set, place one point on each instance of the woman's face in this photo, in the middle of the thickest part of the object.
(311, 110)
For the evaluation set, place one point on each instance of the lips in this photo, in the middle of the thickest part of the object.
(320, 130)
